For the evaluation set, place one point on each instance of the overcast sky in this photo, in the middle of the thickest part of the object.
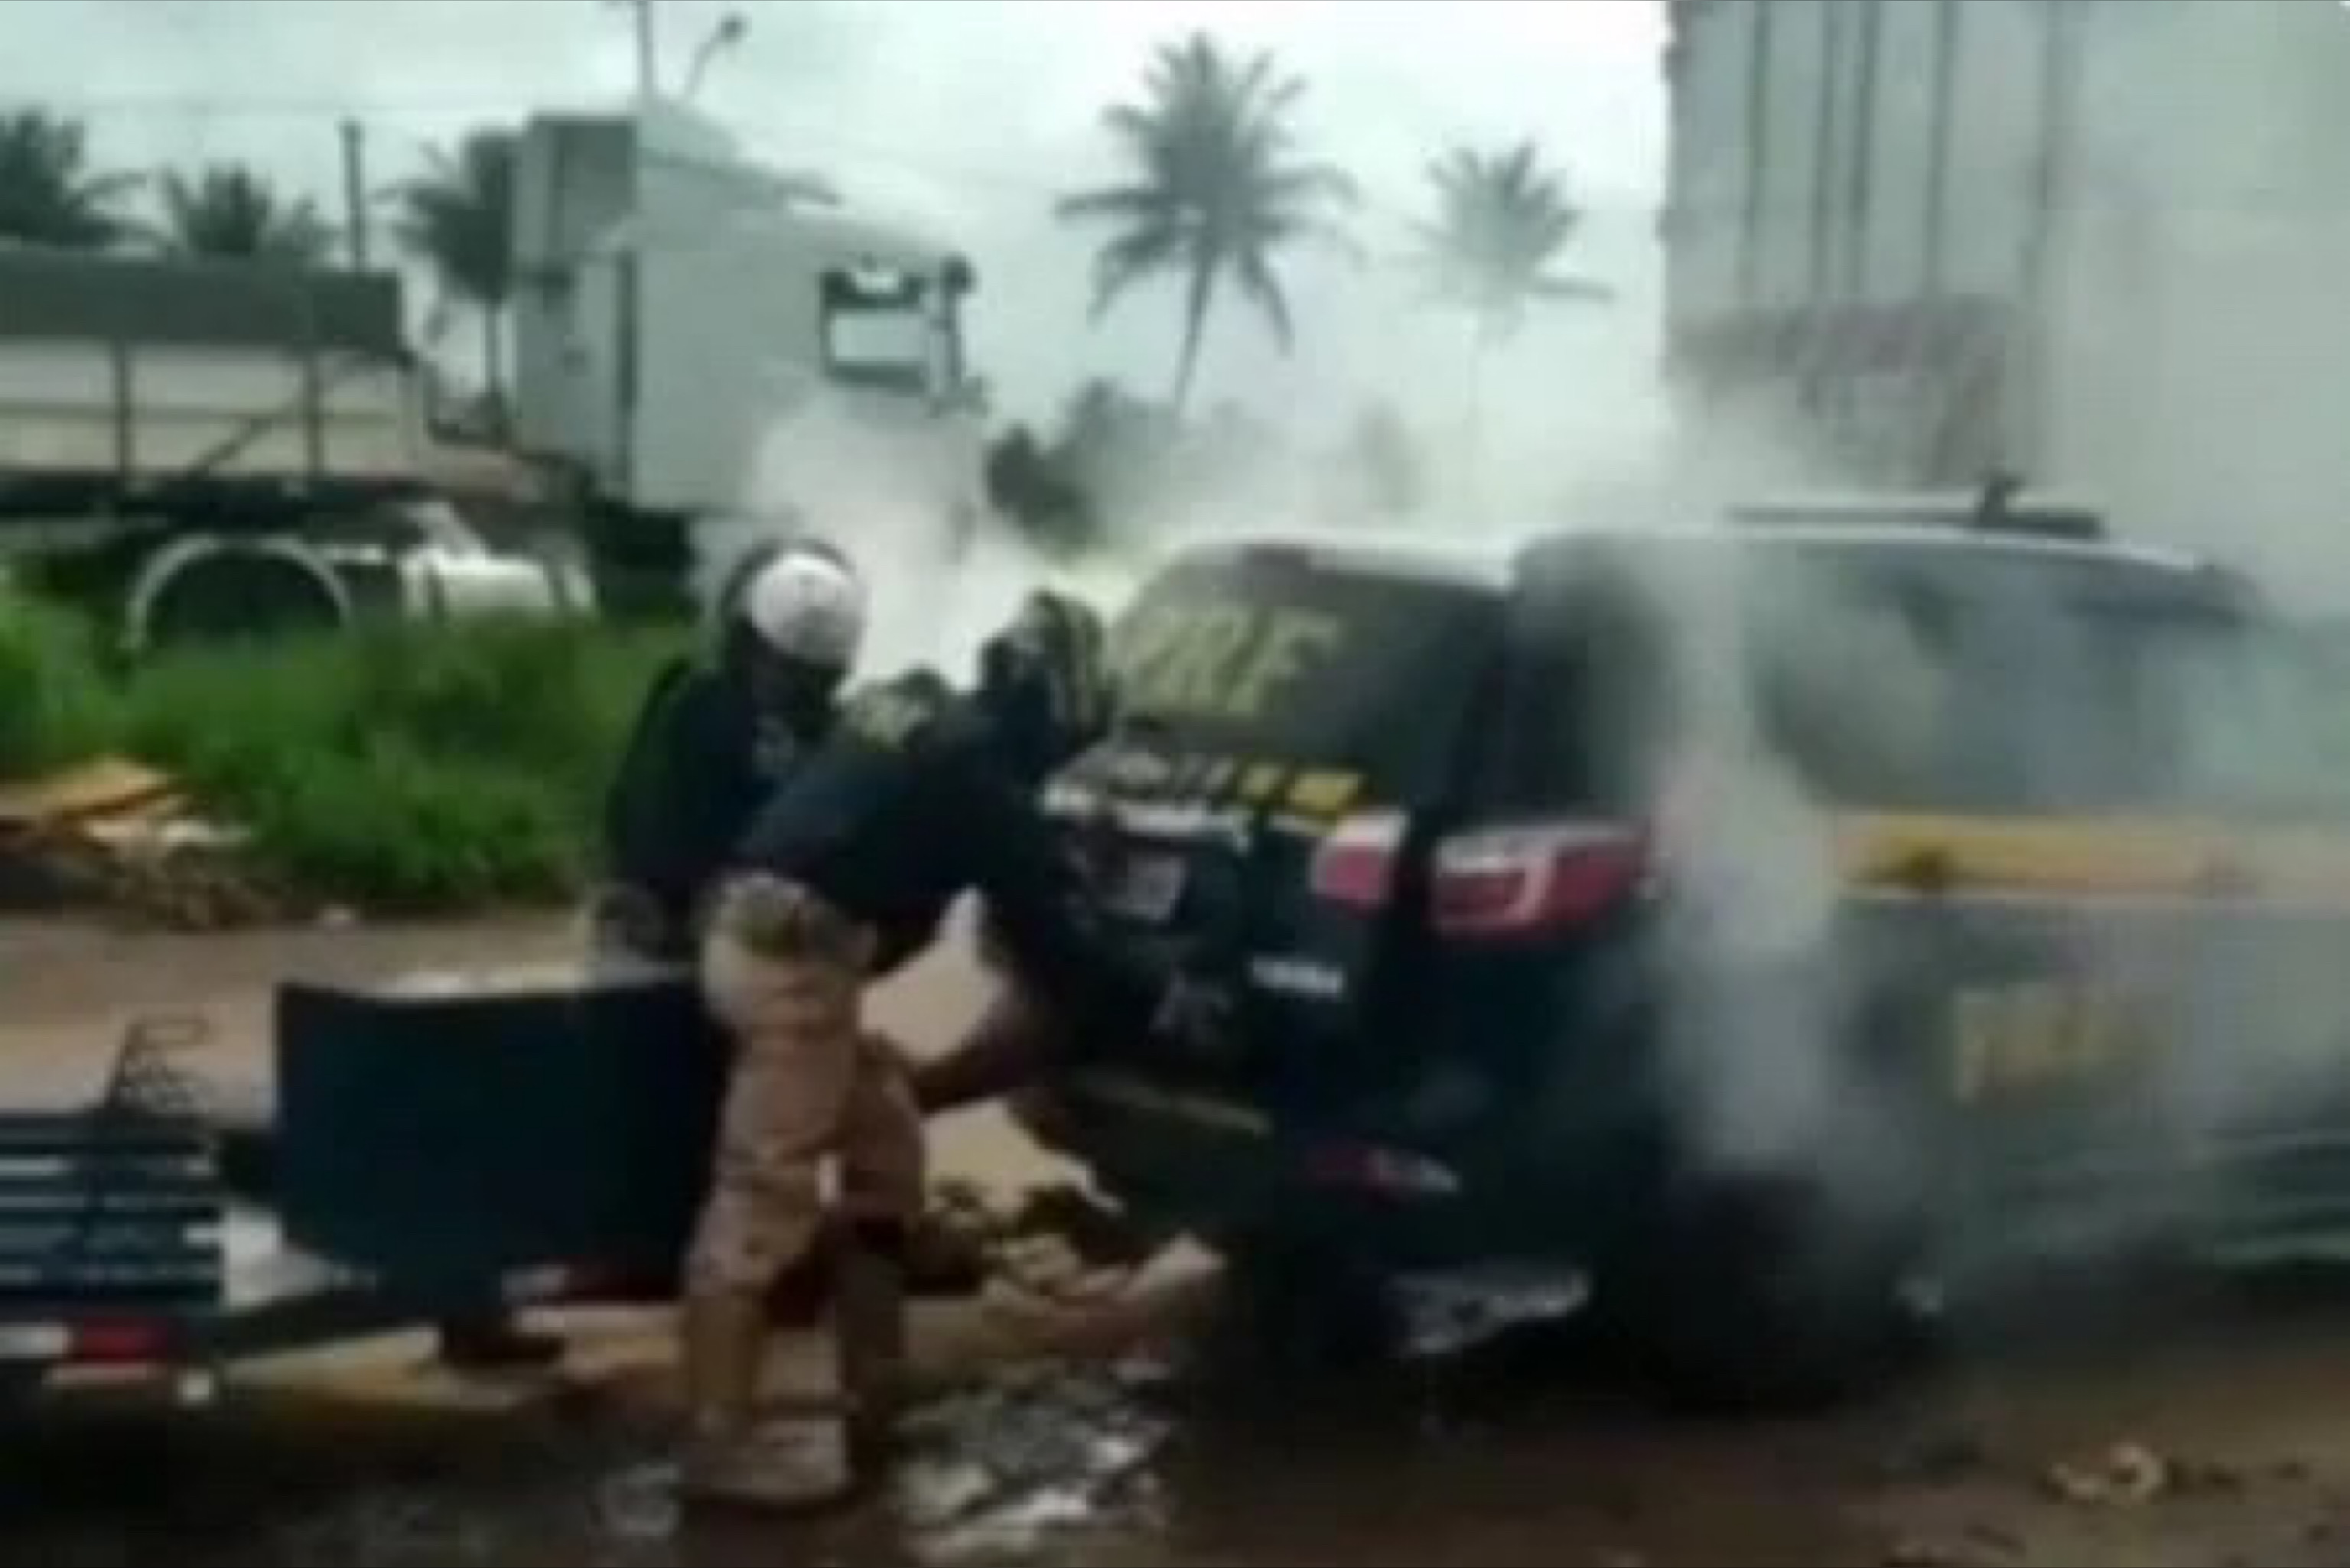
(971, 115)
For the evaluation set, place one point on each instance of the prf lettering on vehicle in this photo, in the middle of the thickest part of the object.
(2034, 1036)
(1220, 661)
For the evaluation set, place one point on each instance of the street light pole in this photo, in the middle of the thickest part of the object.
(648, 51)
(355, 192)
(724, 36)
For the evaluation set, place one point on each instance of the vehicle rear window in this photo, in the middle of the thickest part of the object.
(2054, 685)
(1280, 658)
(1885, 676)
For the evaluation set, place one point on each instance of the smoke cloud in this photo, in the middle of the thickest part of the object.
(940, 580)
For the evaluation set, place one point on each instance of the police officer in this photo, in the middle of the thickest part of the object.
(712, 738)
(715, 737)
(921, 794)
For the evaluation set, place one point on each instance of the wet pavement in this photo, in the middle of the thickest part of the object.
(2210, 1434)
(1101, 1464)
(2201, 1428)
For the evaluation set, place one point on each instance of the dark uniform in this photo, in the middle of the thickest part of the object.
(702, 759)
(909, 806)
(712, 741)
(921, 800)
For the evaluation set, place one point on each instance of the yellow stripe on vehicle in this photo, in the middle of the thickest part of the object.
(1259, 781)
(1877, 852)
(1323, 791)
(2117, 858)
(2301, 863)
(1317, 797)
(2020, 855)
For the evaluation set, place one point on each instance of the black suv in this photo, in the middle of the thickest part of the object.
(1756, 915)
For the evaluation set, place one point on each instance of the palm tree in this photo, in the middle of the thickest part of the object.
(1502, 218)
(458, 218)
(228, 210)
(1212, 191)
(50, 195)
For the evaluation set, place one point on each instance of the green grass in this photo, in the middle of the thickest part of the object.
(401, 769)
(54, 705)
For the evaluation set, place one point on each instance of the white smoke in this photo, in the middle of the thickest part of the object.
(904, 502)
(1748, 861)
(1757, 988)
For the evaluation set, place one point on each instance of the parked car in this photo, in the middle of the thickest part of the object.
(1765, 918)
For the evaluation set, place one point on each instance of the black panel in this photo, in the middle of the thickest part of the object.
(438, 1139)
(49, 294)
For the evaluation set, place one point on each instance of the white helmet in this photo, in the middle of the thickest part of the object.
(806, 604)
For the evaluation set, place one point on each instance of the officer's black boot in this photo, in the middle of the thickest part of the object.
(868, 1307)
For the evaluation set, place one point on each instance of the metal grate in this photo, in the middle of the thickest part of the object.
(116, 1205)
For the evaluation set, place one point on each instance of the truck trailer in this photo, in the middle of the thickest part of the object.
(706, 349)
(193, 448)
(2097, 244)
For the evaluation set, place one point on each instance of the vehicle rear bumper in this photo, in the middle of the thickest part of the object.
(1226, 1172)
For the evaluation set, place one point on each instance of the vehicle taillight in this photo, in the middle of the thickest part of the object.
(1497, 882)
(1356, 865)
(118, 1342)
(1516, 881)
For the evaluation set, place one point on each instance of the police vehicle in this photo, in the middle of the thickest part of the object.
(1761, 917)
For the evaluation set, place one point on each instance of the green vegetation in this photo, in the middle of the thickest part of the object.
(228, 211)
(1501, 220)
(54, 705)
(401, 769)
(50, 194)
(457, 218)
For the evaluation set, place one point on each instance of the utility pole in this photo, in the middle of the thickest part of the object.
(355, 191)
(647, 47)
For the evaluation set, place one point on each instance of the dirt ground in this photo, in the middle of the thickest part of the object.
(2205, 1431)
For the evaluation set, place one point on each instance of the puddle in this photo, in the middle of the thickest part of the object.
(998, 1472)
(993, 1472)
(395, 1526)
(639, 1504)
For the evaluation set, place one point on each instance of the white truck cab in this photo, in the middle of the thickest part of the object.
(699, 338)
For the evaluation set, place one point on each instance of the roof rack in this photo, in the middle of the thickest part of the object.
(2001, 506)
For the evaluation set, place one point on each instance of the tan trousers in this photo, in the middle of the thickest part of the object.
(784, 975)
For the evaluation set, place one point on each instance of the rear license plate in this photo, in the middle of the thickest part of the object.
(1146, 888)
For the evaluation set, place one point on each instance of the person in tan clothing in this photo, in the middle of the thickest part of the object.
(785, 974)
(920, 795)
